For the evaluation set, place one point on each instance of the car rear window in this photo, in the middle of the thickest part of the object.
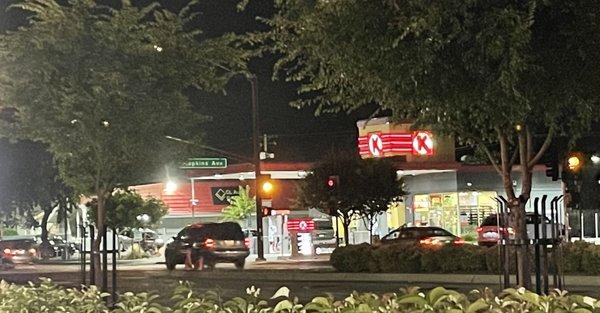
(217, 231)
(430, 232)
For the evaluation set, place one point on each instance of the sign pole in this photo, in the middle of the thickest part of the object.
(256, 159)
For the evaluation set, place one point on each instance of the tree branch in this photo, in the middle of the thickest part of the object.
(533, 161)
(490, 156)
(506, 169)
(513, 159)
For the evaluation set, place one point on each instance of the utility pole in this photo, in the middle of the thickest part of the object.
(257, 171)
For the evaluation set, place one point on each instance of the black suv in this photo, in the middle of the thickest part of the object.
(215, 242)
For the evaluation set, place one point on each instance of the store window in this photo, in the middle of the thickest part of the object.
(458, 213)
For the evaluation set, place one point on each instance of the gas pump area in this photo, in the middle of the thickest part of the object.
(298, 237)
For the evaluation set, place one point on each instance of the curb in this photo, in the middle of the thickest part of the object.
(404, 279)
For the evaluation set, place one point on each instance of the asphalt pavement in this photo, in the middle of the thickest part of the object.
(305, 278)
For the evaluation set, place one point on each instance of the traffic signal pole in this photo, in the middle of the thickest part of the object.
(257, 171)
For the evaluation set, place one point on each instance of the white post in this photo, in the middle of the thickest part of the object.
(582, 235)
(193, 202)
(596, 224)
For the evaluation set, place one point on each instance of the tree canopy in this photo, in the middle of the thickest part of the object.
(103, 85)
(123, 208)
(365, 188)
(496, 74)
(30, 184)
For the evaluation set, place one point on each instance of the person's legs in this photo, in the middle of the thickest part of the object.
(188, 260)
(199, 264)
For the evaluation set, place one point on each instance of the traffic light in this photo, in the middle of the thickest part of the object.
(266, 187)
(574, 162)
(332, 182)
(267, 211)
(552, 170)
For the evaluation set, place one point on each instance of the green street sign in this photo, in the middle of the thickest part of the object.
(196, 163)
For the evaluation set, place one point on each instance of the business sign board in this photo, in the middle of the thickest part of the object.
(202, 163)
(381, 144)
(221, 195)
(301, 225)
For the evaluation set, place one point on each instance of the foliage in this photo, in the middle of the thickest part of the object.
(578, 258)
(241, 206)
(51, 298)
(380, 186)
(365, 187)
(360, 263)
(123, 208)
(102, 86)
(491, 74)
(31, 184)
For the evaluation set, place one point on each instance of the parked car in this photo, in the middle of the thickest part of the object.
(18, 250)
(59, 245)
(492, 230)
(323, 237)
(427, 237)
(146, 238)
(215, 242)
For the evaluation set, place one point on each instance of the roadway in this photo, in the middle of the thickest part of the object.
(305, 279)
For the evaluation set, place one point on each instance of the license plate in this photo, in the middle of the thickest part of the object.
(229, 242)
(492, 235)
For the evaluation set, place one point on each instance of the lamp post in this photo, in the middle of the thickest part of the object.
(255, 161)
(257, 172)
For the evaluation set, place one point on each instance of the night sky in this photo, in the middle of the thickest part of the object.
(299, 135)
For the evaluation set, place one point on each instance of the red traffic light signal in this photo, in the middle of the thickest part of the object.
(332, 182)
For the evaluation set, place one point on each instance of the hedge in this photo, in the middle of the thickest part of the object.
(578, 258)
(48, 297)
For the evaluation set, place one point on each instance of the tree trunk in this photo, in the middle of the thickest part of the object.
(100, 221)
(346, 225)
(46, 250)
(522, 241)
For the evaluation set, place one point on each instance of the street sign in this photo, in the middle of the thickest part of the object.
(200, 163)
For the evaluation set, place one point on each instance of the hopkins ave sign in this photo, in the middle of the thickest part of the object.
(378, 144)
(205, 163)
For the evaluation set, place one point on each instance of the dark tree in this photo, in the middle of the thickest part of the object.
(493, 74)
(365, 188)
(102, 86)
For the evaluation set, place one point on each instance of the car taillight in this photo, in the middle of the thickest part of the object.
(209, 243)
(458, 242)
(429, 242)
(7, 251)
(479, 229)
(247, 241)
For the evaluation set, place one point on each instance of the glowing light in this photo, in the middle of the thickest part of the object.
(267, 187)
(170, 187)
(595, 159)
(573, 162)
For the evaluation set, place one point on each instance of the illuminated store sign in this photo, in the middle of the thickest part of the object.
(379, 144)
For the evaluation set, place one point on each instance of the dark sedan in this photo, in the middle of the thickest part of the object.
(427, 237)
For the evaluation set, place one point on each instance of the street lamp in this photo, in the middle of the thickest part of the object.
(170, 187)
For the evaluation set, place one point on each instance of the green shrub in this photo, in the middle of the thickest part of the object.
(353, 258)
(573, 256)
(397, 259)
(590, 260)
(51, 298)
